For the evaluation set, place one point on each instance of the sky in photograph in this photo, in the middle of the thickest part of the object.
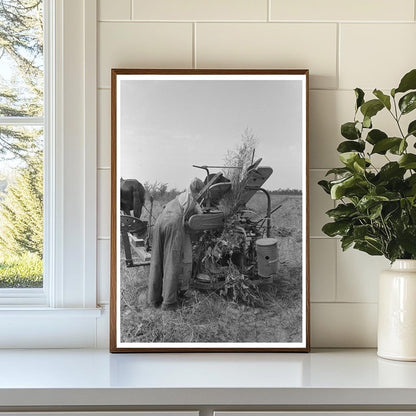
(168, 126)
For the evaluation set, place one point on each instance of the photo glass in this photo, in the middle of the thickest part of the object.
(209, 242)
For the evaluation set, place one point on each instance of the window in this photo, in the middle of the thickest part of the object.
(63, 313)
(22, 132)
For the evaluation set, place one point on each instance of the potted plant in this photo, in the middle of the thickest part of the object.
(376, 209)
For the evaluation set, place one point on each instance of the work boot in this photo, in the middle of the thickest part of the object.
(183, 294)
(169, 307)
(155, 304)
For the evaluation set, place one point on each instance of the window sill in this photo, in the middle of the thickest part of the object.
(36, 312)
(40, 327)
(22, 297)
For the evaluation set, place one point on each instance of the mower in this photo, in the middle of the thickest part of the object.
(240, 238)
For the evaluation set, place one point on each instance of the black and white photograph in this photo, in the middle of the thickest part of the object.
(209, 245)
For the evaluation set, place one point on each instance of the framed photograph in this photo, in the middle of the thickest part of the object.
(209, 211)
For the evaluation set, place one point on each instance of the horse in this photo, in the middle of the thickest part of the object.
(132, 196)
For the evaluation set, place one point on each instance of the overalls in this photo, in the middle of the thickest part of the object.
(168, 264)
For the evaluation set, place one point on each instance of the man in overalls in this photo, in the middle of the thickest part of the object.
(171, 264)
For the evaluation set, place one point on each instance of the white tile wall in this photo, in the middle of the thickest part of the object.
(345, 44)
(104, 202)
(271, 45)
(103, 271)
(146, 45)
(200, 10)
(320, 202)
(328, 109)
(357, 275)
(104, 128)
(338, 325)
(114, 10)
(341, 10)
(323, 269)
(376, 55)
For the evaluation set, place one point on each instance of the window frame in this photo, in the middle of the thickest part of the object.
(67, 304)
(38, 296)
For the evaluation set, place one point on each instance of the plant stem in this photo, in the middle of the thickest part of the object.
(397, 118)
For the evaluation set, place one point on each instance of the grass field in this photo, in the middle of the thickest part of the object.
(208, 317)
(25, 271)
(286, 226)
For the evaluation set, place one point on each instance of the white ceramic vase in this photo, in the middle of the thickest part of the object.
(397, 312)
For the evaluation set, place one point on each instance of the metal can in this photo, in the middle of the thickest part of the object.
(267, 257)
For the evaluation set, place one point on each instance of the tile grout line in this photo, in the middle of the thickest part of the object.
(322, 237)
(269, 10)
(105, 88)
(336, 271)
(194, 63)
(307, 22)
(131, 9)
(344, 303)
(338, 63)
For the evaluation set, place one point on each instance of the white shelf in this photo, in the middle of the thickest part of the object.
(56, 378)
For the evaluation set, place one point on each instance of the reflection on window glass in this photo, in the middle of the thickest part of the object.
(21, 143)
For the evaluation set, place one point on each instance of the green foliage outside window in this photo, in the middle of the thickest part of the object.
(21, 146)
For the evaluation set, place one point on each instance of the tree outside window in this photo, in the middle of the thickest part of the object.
(21, 143)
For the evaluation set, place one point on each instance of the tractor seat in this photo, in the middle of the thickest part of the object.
(217, 191)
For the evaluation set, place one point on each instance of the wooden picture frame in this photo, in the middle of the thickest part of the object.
(219, 262)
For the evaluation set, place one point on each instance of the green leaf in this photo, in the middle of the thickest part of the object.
(359, 165)
(359, 94)
(411, 180)
(367, 122)
(369, 201)
(361, 231)
(408, 102)
(338, 171)
(350, 131)
(342, 211)
(398, 149)
(375, 136)
(346, 242)
(408, 161)
(411, 184)
(368, 248)
(349, 158)
(375, 212)
(374, 242)
(393, 250)
(348, 187)
(408, 82)
(383, 145)
(336, 228)
(402, 147)
(338, 188)
(391, 170)
(371, 108)
(349, 146)
(385, 99)
(325, 186)
(411, 130)
(407, 240)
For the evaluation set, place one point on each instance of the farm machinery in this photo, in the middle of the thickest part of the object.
(233, 235)
(223, 237)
